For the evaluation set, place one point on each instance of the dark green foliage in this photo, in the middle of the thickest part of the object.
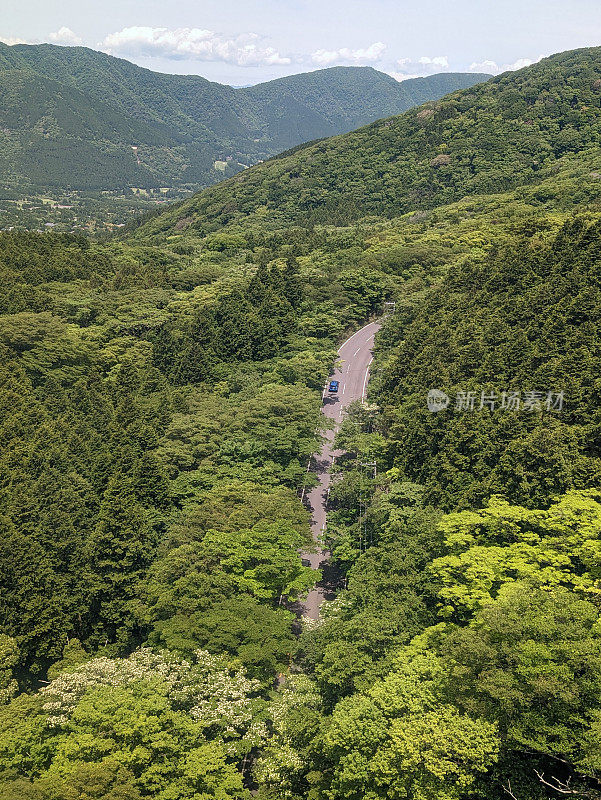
(512, 130)
(118, 551)
(527, 318)
(250, 326)
(259, 636)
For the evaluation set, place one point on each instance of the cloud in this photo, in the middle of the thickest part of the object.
(488, 66)
(493, 68)
(438, 62)
(420, 67)
(346, 55)
(193, 44)
(65, 36)
(10, 40)
(405, 76)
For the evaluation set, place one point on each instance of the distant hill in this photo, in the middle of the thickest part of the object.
(509, 131)
(69, 117)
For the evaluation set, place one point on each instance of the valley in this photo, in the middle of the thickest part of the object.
(71, 117)
(162, 393)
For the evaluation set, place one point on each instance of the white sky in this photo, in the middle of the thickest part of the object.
(245, 41)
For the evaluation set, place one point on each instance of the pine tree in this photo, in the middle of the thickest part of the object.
(234, 338)
(117, 554)
(259, 283)
(164, 349)
(293, 285)
(151, 482)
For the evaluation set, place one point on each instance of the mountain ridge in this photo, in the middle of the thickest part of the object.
(488, 138)
(181, 124)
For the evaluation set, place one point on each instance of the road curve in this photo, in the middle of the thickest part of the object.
(352, 370)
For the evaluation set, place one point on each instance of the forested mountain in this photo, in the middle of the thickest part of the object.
(161, 398)
(69, 117)
(508, 131)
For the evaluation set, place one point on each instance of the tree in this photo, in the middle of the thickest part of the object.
(503, 543)
(119, 729)
(263, 560)
(258, 636)
(9, 658)
(531, 660)
(400, 739)
(117, 554)
(293, 285)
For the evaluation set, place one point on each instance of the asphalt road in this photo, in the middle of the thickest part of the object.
(352, 370)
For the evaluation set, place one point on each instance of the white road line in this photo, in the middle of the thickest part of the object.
(365, 379)
(356, 351)
(343, 388)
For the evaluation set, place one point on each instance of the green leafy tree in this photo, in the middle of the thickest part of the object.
(401, 740)
(531, 661)
(503, 543)
(263, 560)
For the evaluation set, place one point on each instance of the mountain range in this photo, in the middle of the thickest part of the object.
(71, 117)
(515, 129)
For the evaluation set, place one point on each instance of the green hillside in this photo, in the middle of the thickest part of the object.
(511, 130)
(70, 116)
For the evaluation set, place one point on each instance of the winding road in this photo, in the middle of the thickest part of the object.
(352, 370)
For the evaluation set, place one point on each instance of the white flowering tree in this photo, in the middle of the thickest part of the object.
(177, 729)
(294, 717)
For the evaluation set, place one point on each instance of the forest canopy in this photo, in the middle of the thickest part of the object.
(161, 399)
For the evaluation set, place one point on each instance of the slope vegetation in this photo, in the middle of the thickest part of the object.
(161, 397)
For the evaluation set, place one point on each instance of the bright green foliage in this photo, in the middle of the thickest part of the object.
(295, 716)
(503, 543)
(9, 657)
(400, 740)
(390, 597)
(105, 780)
(151, 724)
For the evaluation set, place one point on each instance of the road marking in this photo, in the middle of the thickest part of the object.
(356, 351)
(324, 482)
(365, 380)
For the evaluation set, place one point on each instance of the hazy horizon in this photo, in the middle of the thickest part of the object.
(230, 42)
